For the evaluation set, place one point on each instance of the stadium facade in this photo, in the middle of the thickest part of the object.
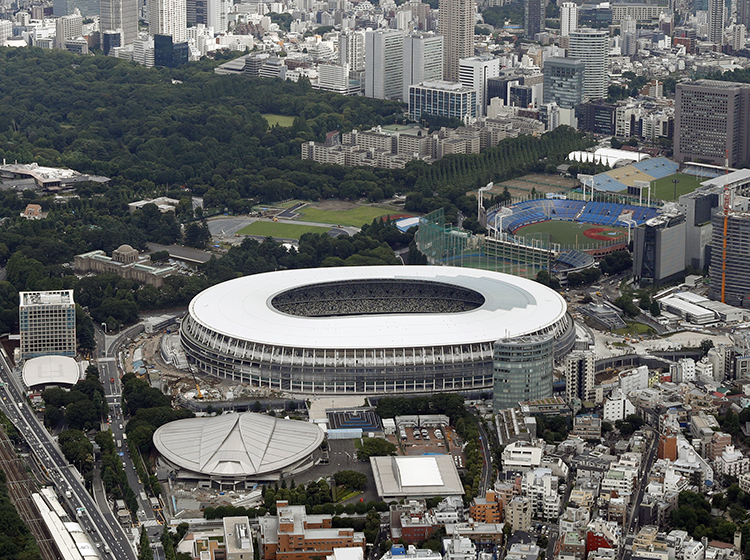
(368, 330)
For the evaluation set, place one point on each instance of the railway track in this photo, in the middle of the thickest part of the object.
(20, 488)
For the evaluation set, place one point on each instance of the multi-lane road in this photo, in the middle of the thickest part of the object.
(105, 532)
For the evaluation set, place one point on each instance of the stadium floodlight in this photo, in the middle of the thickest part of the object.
(480, 206)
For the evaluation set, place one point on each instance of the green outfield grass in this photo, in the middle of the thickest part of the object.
(279, 229)
(281, 120)
(566, 233)
(356, 217)
(663, 189)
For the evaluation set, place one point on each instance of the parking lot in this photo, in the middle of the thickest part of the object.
(421, 441)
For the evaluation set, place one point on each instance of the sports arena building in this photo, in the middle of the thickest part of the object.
(368, 330)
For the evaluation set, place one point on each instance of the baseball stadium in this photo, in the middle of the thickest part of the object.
(369, 330)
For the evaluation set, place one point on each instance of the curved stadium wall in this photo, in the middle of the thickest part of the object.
(368, 330)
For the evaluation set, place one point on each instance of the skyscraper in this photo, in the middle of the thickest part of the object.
(730, 269)
(708, 124)
(47, 323)
(563, 81)
(473, 72)
(659, 249)
(533, 17)
(715, 21)
(522, 370)
(384, 64)
(579, 376)
(122, 15)
(67, 27)
(423, 59)
(568, 18)
(456, 24)
(592, 47)
(352, 50)
(87, 8)
(168, 17)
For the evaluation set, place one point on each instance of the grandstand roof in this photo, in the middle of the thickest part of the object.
(616, 180)
(50, 370)
(237, 445)
(242, 309)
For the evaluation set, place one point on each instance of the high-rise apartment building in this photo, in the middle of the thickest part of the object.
(456, 25)
(47, 323)
(384, 64)
(579, 376)
(423, 59)
(168, 17)
(518, 513)
(87, 8)
(67, 27)
(217, 14)
(122, 15)
(659, 248)
(352, 50)
(730, 268)
(563, 81)
(592, 47)
(716, 21)
(568, 18)
(534, 17)
(522, 370)
(708, 122)
(443, 99)
(474, 72)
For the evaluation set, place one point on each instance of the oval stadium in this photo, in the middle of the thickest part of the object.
(368, 330)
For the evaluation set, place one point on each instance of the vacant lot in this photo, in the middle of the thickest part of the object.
(663, 189)
(349, 215)
(280, 229)
(281, 120)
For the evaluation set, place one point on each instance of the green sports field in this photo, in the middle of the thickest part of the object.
(356, 217)
(573, 234)
(663, 189)
(279, 229)
(281, 120)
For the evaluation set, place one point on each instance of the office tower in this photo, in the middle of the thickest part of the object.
(122, 15)
(111, 40)
(47, 323)
(708, 125)
(474, 72)
(716, 21)
(443, 99)
(168, 17)
(87, 8)
(384, 64)
(592, 47)
(563, 81)
(743, 13)
(6, 29)
(568, 18)
(352, 50)
(730, 268)
(498, 87)
(534, 17)
(520, 96)
(522, 370)
(456, 24)
(217, 13)
(739, 32)
(67, 27)
(197, 12)
(659, 249)
(579, 376)
(423, 59)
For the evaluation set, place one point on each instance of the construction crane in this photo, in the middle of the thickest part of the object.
(197, 387)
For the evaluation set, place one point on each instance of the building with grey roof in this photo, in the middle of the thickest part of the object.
(416, 476)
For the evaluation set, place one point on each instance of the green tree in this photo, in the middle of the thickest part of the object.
(375, 447)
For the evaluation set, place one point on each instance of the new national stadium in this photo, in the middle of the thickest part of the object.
(369, 330)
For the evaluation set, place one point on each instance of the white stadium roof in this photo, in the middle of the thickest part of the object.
(50, 370)
(414, 476)
(242, 309)
(236, 445)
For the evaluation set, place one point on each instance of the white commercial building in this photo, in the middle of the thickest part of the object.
(732, 462)
(634, 380)
(540, 487)
(568, 18)
(617, 406)
(352, 50)
(423, 60)
(384, 64)
(473, 72)
(47, 323)
(521, 455)
(168, 17)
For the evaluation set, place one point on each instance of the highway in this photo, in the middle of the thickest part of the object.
(109, 373)
(103, 529)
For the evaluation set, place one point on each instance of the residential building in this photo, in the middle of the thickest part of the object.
(540, 487)
(534, 17)
(487, 509)
(411, 552)
(718, 442)
(445, 99)
(352, 50)
(563, 80)
(423, 59)
(587, 427)
(579, 376)
(68, 27)
(730, 258)
(518, 514)
(592, 47)
(384, 63)
(732, 462)
(168, 17)
(474, 73)
(47, 322)
(122, 15)
(716, 21)
(456, 25)
(744, 479)
(659, 249)
(292, 534)
(522, 455)
(522, 370)
(459, 548)
(568, 19)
